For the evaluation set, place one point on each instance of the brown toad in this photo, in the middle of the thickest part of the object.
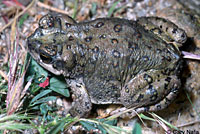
(112, 60)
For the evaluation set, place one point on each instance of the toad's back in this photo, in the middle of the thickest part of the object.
(109, 52)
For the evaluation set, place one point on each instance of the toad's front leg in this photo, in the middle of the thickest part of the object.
(81, 104)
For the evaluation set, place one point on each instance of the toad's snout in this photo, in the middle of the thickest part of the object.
(32, 40)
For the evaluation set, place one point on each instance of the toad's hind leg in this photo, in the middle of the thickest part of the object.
(147, 93)
(81, 104)
(164, 29)
(156, 107)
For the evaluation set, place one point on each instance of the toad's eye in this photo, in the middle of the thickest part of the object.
(46, 58)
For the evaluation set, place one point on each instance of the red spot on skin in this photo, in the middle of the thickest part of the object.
(45, 83)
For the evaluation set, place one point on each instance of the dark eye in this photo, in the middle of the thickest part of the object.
(46, 58)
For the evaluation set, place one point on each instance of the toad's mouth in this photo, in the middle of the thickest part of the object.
(54, 67)
(50, 68)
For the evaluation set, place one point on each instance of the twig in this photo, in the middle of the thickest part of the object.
(189, 123)
(188, 55)
(40, 4)
(17, 16)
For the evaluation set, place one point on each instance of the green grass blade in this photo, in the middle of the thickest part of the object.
(137, 129)
(40, 95)
(112, 9)
(44, 100)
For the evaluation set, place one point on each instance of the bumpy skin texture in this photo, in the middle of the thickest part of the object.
(111, 60)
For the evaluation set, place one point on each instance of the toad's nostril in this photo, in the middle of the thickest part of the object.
(37, 33)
